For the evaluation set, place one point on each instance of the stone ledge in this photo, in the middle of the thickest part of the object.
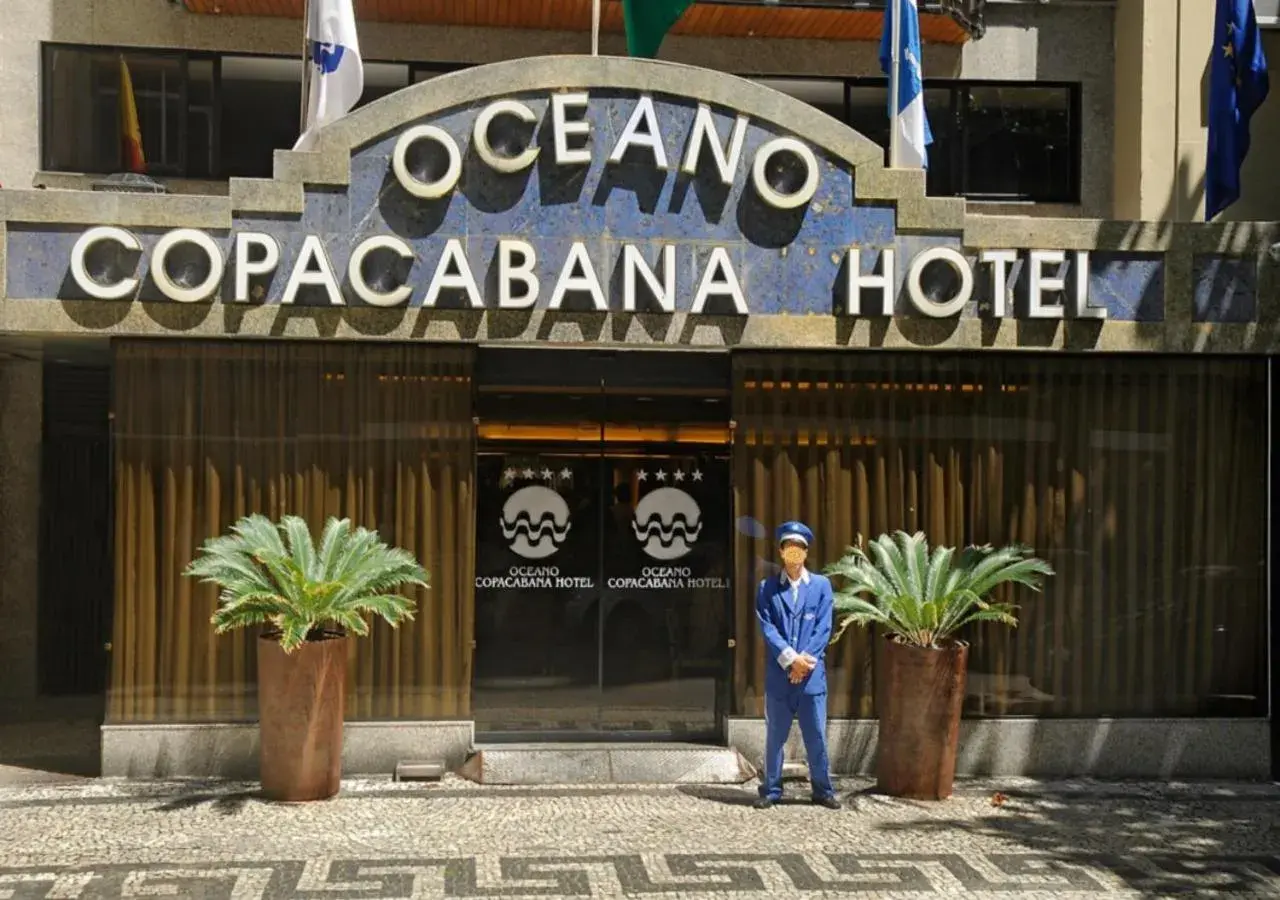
(231, 750)
(1164, 749)
(604, 763)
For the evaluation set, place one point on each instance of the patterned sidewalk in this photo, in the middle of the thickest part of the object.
(98, 839)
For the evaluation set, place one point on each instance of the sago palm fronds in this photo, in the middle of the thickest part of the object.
(275, 575)
(925, 597)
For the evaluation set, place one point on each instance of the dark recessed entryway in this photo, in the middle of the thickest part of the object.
(603, 556)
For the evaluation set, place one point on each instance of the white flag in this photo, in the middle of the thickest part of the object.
(910, 135)
(337, 71)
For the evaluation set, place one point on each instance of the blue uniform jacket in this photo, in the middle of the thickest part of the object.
(804, 627)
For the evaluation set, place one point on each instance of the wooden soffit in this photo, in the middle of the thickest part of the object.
(855, 20)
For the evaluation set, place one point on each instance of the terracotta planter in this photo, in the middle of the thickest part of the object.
(920, 693)
(301, 702)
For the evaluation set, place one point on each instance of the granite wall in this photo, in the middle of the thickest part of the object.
(1166, 288)
(20, 434)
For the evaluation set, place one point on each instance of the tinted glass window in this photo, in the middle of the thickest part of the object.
(204, 116)
(1018, 143)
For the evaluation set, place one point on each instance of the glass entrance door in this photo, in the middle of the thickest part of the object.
(664, 591)
(538, 546)
(602, 559)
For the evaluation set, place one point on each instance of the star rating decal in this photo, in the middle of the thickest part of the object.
(512, 474)
(663, 474)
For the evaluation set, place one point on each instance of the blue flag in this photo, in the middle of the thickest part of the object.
(1238, 83)
(908, 118)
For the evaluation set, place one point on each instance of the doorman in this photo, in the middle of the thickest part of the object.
(795, 611)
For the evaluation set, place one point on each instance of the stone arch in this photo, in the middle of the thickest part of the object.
(329, 163)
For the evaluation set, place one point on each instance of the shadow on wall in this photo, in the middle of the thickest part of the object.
(1232, 283)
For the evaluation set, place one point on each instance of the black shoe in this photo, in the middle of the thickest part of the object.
(763, 803)
(828, 802)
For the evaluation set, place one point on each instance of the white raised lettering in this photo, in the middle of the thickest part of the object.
(664, 290)
(883, 281)
(578, 274)
(480, 137)
(355, 271)
(511, 272)
(759, 173)
(122, 288)
(1000, 261)
(719, 280)
(644, 115)
(1039, 283)
(427, 190)
(915, 291)
(562, 128)
(160, 257)
(246, 268)
(1080, 271)
(704, 132)
(453, 272)
(313, 251)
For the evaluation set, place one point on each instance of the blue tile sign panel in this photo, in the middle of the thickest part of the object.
(589, 201)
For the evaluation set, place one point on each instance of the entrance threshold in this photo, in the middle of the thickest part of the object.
(611, 762)
(590, 738)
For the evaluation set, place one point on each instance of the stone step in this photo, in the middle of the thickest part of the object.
(606, 763)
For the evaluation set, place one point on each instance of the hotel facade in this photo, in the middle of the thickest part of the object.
(581, 332)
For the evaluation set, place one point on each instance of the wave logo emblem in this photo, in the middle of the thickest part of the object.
(535, 520)
(667, 524)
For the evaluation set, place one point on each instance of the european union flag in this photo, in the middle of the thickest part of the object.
(1238, 83)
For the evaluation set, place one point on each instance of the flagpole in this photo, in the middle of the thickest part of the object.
(306, 67)
(595, 27)
(894, 76)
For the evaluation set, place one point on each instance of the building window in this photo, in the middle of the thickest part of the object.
(82, 108)
(1018, 143)
(1141, 481)
(998, 141)
(201, 115)
(995, 141)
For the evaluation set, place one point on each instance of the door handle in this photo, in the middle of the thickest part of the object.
(732, 643)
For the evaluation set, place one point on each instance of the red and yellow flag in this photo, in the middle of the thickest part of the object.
(131, 154)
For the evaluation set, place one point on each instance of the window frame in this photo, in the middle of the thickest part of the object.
(421, 71)
(959, 89)
(183, 59)
(959, 105)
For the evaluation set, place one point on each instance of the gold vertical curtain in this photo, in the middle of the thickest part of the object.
(208, 432)
(1142, 481)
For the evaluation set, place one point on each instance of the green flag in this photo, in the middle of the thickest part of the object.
(648, 22)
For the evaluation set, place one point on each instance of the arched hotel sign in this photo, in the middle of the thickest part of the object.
(570, 185)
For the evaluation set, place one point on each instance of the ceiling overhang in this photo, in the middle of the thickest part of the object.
(941, 21)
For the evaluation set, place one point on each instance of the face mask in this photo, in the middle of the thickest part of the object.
(793, 555)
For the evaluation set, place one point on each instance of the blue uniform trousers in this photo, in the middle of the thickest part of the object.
(779, 712)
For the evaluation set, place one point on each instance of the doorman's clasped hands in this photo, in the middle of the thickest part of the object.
(801, 668)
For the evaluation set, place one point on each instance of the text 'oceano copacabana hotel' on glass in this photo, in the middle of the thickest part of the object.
(658, 307)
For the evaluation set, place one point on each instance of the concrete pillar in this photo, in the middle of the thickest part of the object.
(21, 403)
(1145, 108)
(1162, 52)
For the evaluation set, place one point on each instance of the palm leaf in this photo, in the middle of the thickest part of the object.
(925, 597)
(275, 575)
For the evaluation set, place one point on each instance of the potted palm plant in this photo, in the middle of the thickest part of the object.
(920, 599)
(309, 599)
